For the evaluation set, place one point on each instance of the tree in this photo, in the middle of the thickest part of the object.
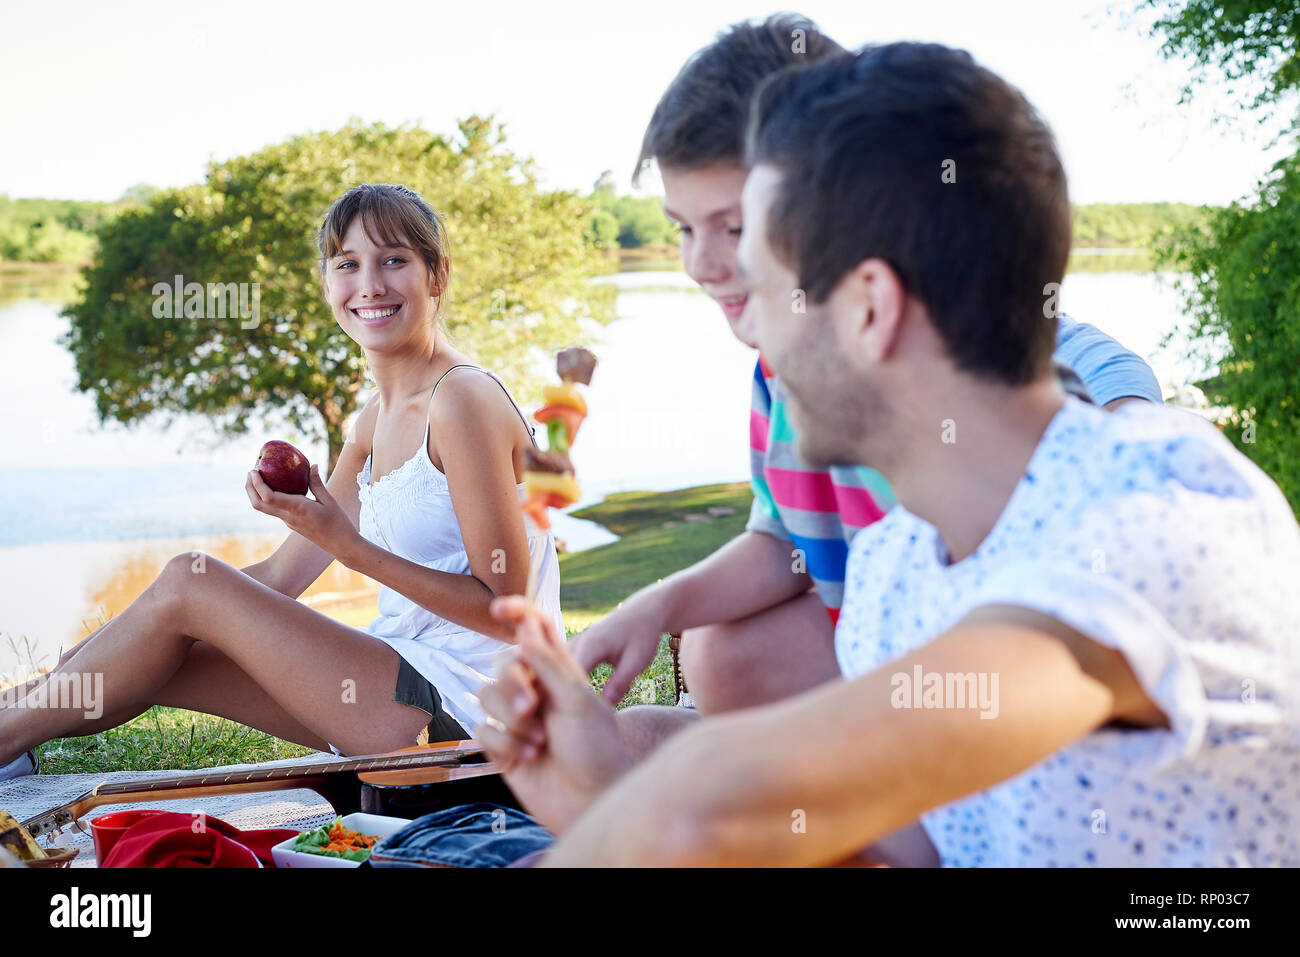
(642, 222)
(518, 289)
(138, 195)
(635, 221)
(604, 182)
(1255, 43)
(1241, 291)
(602, 231)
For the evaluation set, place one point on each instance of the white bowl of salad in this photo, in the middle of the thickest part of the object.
(343, 842)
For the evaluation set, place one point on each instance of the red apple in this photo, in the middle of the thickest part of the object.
(283, 467)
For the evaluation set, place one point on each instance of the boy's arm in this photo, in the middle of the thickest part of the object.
(754, 571)
(1111, 372)
(751, 572)
(812, 780)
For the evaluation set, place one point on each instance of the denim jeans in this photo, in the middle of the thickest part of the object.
(472, 835)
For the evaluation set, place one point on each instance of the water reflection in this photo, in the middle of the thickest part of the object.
(56, 285)
(78, 586)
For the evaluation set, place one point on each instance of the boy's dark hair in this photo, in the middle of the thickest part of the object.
(700, 119)
(915, 154)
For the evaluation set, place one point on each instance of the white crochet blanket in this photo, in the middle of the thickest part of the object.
(33, 794)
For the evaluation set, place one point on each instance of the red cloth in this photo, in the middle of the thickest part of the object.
(178, 840)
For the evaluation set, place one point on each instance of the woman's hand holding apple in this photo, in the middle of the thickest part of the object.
(319, 519)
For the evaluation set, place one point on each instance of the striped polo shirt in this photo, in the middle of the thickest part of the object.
(818, 511)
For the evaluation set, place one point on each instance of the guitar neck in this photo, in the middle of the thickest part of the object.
(192, 785)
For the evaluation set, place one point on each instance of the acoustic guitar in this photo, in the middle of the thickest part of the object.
(407, 783)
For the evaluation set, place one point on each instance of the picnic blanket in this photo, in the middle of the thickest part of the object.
(300, 808)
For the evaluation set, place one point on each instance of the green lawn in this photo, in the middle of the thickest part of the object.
(656, 540)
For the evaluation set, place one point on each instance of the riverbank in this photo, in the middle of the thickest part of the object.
(660, 532)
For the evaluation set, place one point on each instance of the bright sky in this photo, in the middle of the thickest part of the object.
(105, 95)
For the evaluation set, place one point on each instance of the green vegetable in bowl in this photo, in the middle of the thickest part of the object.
(336, 841)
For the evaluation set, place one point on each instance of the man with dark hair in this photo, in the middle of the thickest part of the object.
(1071, 643)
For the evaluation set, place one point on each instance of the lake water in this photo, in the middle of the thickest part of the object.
(90, 513)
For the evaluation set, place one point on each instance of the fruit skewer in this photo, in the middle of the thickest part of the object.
(548, 476)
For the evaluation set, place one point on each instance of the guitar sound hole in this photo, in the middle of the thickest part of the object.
(416, 800)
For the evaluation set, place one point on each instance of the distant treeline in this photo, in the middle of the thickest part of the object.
(628, 222)
(57, 230)
(1133, 224)
(62, 230)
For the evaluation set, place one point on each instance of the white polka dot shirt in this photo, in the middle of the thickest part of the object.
(1146, 531)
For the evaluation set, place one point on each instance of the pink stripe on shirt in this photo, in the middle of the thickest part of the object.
(815, 492)
(809, 491)
(856, 506)
(758, 428)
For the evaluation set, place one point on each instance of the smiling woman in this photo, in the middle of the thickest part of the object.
(428, 509)
(390, 217)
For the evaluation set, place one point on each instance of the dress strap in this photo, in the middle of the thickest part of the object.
(532, 429)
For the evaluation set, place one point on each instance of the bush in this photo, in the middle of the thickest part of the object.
(1243, 294)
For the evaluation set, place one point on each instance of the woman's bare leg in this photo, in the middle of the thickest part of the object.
(18, 692)
(328, 678)
(207, 681)
(210, 682)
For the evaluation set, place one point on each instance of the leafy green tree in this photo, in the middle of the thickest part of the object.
(1242, 294)
(638, 220)
(138, 195)
(603, 230)
(1248, 43)
(519, 290)
(641, 222)
(604, 182)
(1242, 289)
(52, 242)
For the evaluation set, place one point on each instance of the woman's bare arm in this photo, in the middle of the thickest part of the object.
(474, 427)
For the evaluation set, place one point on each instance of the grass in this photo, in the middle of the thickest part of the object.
(657, 539)
(165, 738)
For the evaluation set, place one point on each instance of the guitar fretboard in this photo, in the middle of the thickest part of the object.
(428, 757)
(373, 762)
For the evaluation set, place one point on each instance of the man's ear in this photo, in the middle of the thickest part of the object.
(878, 303)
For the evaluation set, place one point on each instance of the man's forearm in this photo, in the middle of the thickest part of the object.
(752, 572)
(812, 779)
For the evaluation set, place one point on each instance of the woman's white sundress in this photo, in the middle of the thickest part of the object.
(409, 513)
